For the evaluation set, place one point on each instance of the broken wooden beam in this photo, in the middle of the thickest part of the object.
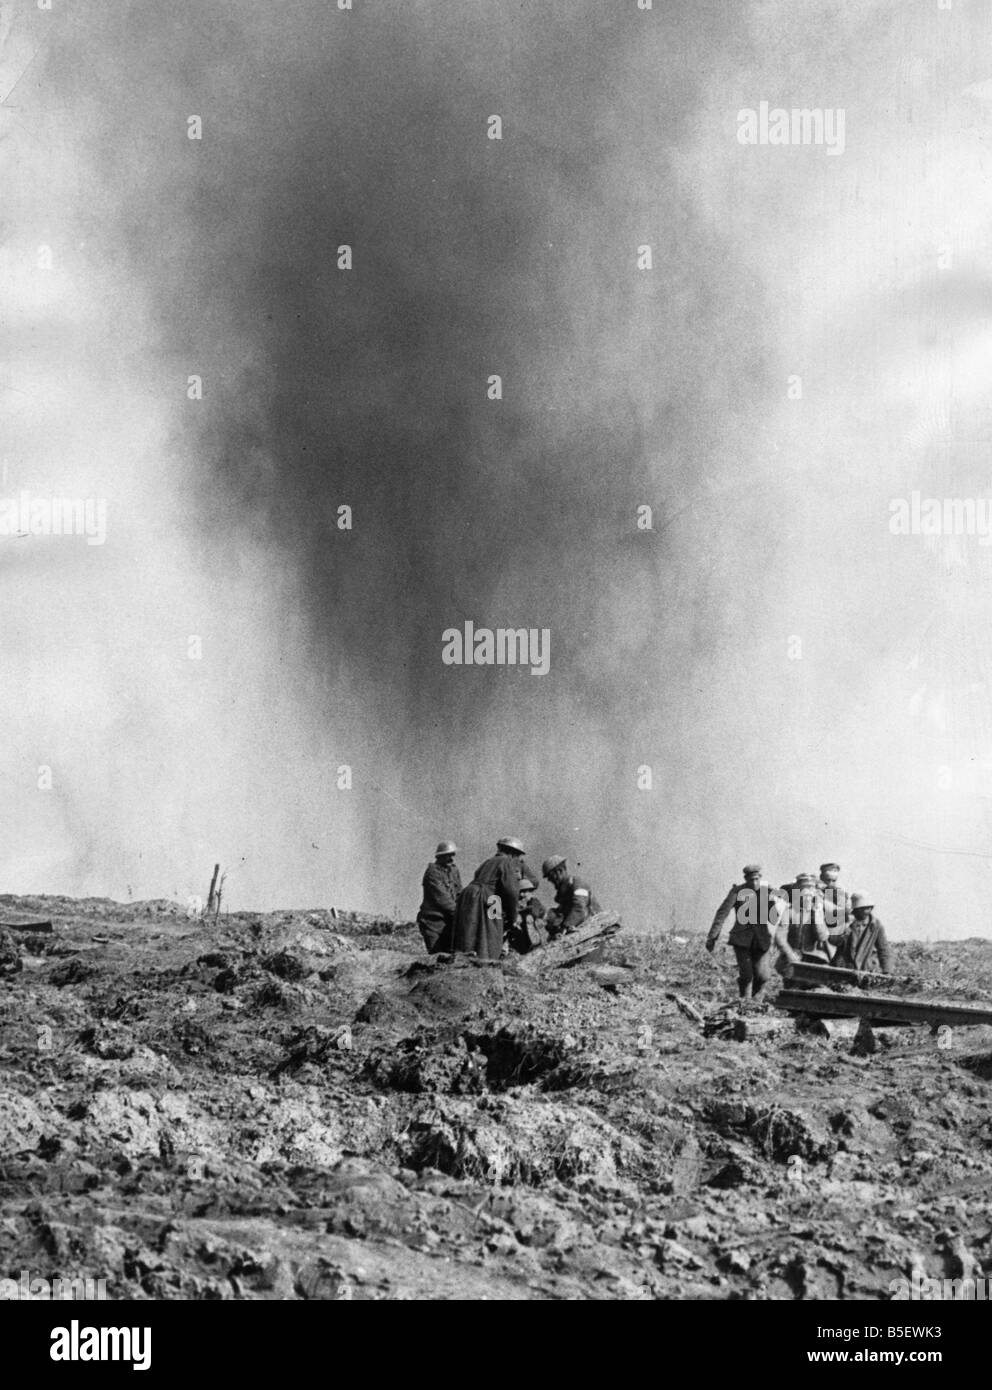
(585, 940)
(758, 1027)
(834, 975)
(686, 1007)
(26, 924)
(879, 1008)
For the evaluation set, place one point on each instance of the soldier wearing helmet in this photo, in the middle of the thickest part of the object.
(486, 910)
(441, 883)
(864, 943)
(574, 901)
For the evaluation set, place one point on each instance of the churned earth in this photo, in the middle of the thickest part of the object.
(301, 1105)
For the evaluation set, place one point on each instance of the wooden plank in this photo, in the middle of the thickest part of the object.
(687, 1007)
(758, 1028)
(833, 975)
(26, 924)
(566, 950)
(881, 1008)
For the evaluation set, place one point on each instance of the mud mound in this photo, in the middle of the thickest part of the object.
(504, 1141)
(314, 1047)
(458, 991)
(22, 1124)
(381, 1009)
(777, 1133)
(286, 965)
(274, 994)
(304, 1105)
(73, 972)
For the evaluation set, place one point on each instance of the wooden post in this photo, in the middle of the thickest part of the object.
(213, 884)
(218, 895)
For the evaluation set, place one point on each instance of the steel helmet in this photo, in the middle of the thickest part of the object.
(510, 842)
(446, 847)
(526, 883)
(553, 862)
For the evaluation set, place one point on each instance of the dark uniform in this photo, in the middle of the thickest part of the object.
(436, 918)
(864, 938)
(574, 902)
(805, 920)
(487, 907)
(756, 911)
(531, 931)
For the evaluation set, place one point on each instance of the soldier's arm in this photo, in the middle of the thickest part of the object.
(840, 942)
(821, 929)
(722, 913)
(782, 933)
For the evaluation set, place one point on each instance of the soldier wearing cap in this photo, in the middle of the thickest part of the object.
(441, 883)
(835, 900)
(486, 909)
(755, 906)
(801, 932)
(574, 901)
(863, 939)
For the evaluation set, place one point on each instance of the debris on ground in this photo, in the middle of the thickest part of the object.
(303, 1105)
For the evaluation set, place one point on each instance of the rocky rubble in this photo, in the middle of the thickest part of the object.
(301, 1105)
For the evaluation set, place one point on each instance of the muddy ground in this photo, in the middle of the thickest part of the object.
(297, 1105)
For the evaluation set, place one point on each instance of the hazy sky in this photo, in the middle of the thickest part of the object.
(133, 257)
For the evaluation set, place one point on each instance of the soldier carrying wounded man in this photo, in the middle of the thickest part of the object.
(756, 907)
(810, 919)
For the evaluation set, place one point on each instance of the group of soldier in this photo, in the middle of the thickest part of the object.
(497, 912)
(811, 919)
